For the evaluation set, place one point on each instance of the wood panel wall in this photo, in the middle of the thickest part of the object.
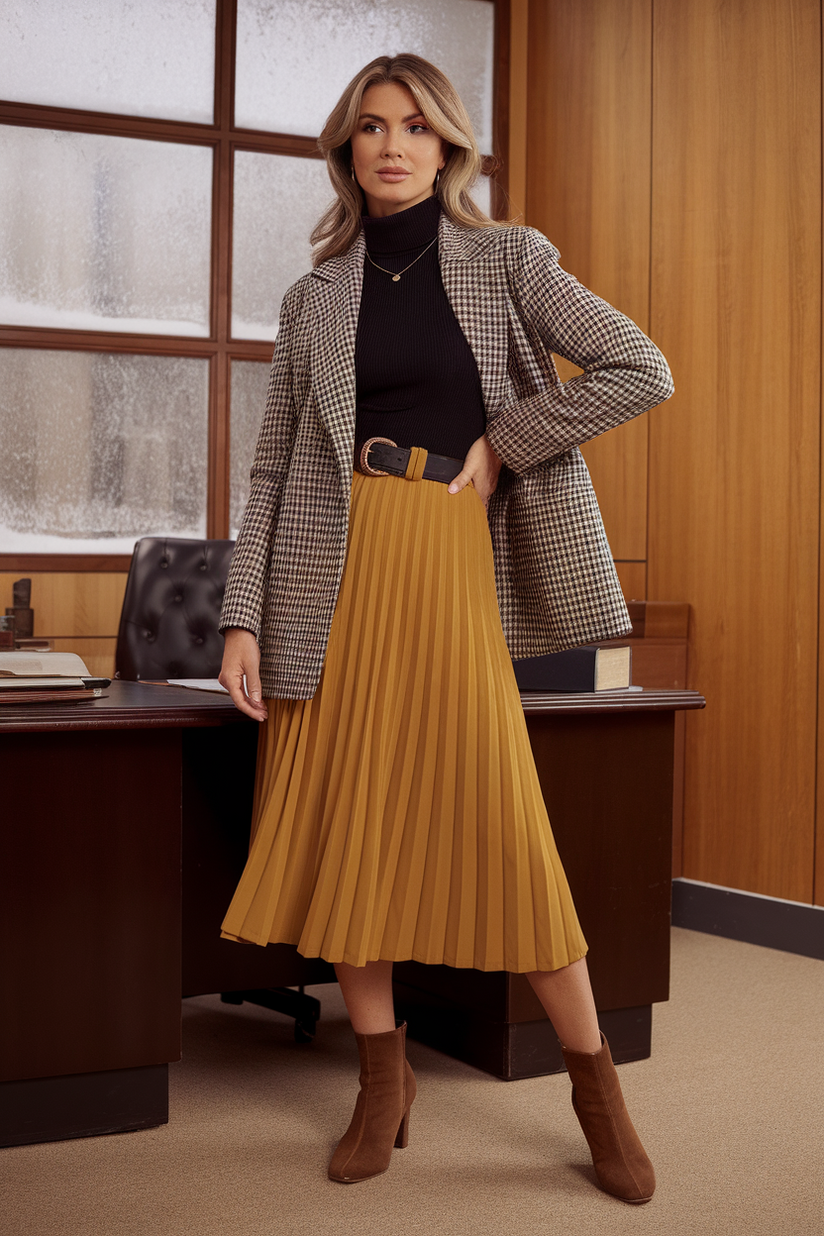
(78, 611)
(734, 475)
(674, 156)
(518, 102)
(589, 92)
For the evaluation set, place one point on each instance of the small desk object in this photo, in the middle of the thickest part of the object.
(104, 802)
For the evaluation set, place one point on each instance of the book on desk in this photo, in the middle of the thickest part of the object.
(591, 668)
(34, 677)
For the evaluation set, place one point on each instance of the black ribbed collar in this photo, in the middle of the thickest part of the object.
(407, 229)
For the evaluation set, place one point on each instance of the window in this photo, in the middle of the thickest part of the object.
(158, 179)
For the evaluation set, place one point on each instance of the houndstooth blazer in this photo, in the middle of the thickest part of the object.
(557, 585)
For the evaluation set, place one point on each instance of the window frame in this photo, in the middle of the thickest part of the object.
(219, 348)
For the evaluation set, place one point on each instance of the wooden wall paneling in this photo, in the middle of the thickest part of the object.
(818, 867)
(97, 653)
(667, 620)
(734, 459)
(6, 585)
(588, 156)
(71, 603)
(518, 105)
(500, 166)
(588, 189)
(633, 578)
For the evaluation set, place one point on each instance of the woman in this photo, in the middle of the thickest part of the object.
(414, 409)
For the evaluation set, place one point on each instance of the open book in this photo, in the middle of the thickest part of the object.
(53, 671)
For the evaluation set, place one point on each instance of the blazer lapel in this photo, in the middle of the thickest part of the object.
(472, 284)
(336, 303)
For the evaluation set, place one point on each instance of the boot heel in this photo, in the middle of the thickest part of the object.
(402, 1140)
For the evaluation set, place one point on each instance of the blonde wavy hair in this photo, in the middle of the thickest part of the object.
(441, 107)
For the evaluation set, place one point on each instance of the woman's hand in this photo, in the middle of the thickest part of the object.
(241, 658)
(481, 468)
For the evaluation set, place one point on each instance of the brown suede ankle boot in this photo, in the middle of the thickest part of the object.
(381, 1119)
(620, 1160)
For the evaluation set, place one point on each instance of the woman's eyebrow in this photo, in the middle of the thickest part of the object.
(382, 119)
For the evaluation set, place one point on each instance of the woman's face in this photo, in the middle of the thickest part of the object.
(395, 154)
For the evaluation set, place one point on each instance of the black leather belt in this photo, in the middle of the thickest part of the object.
(379, 456)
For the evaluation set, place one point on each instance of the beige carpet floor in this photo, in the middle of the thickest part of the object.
(731, 1108)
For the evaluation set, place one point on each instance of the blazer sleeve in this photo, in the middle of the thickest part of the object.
(624, 373)
(246, 584)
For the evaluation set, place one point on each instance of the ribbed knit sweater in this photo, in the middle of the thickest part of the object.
(417, 381)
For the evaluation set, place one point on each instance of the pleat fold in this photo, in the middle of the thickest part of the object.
(398, 813)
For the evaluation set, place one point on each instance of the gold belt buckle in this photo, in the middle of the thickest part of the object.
(365, 467)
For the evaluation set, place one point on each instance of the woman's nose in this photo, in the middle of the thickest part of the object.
(392, 146)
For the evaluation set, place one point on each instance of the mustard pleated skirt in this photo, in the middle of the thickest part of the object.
(398, 813)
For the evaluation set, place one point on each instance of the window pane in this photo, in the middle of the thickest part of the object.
(104, 233)
(249, 383)
(481, 191)
(278, 200)
(146, 59)
(100, 449)
(294, 57)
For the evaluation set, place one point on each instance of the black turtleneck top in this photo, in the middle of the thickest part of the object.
(417, 381)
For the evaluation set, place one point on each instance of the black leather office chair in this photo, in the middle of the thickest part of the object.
(168, 625)
(168, 629)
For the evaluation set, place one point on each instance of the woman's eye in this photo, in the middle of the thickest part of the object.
(418, 128)
(370, 128)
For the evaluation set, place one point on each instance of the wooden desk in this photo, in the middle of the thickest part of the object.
(103, 802)
(606, 768)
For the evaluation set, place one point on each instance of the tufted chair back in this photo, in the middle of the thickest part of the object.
(168, 625)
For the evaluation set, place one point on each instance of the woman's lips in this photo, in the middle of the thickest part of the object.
(394, 175)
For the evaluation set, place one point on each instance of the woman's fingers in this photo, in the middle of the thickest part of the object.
(481, 468)
(254, 693)
(470, 478)
(460, 482)
(240, 673)
(247, 699)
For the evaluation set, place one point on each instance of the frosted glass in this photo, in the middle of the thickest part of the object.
(294, 57)
(100, 449)
(140, 57)
(104, 233)
(249, 383)
(278, 200)
(482, 194)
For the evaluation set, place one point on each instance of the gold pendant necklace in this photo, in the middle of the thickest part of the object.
(396, 277)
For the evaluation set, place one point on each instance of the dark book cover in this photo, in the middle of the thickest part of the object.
(577, 669)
